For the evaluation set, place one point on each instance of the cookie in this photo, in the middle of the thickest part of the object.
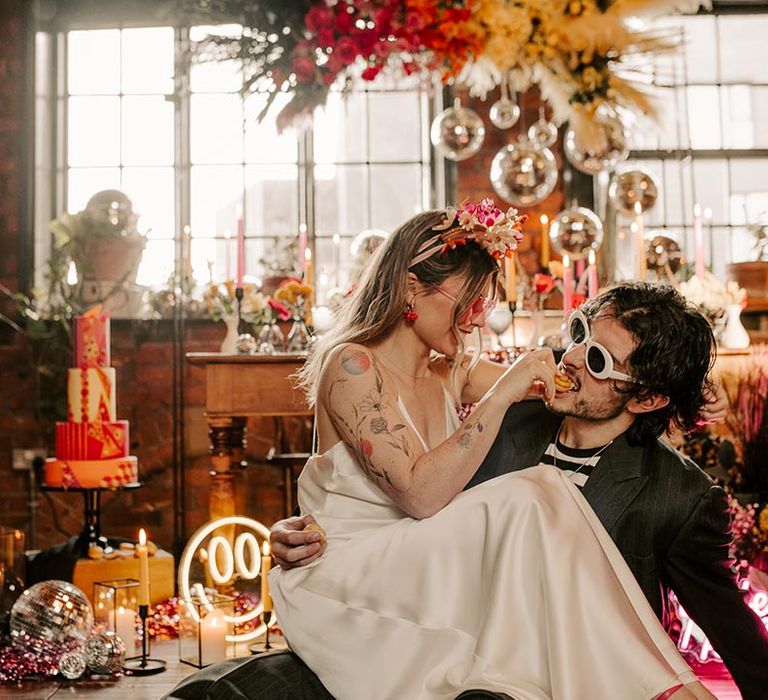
(95, 552)
(314, 527)
(563, 382)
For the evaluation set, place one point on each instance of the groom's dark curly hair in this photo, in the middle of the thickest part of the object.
(674, 354)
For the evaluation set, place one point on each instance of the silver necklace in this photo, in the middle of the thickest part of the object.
(583, 464)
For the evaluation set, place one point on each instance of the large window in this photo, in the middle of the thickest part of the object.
(711, 145)
(184, 145)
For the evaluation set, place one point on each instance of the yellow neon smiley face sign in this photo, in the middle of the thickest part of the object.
(223, 562)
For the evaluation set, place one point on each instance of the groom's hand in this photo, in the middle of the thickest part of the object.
(291, 545)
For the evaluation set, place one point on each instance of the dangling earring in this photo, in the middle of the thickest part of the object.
(410, 314)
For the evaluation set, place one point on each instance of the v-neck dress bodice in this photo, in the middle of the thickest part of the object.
(514, 586)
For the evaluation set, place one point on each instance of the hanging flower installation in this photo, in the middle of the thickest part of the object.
(584, 55)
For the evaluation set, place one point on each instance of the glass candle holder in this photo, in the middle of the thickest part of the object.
(11, 569)
(115, 608)
(205, 622)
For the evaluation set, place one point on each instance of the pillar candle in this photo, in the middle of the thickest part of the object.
(567, 286)
(642, 266)
(592, 276)
(510, 277)
(698, 241)
(213, 637)
(228, 254)
(240, 252)
(266, 565)
(143, 554)
(125, 628)
(544, 240)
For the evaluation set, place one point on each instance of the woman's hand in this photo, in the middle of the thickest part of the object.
(532, 372)
(291, 546)
(716, 407)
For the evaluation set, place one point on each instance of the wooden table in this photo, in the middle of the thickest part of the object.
(236, 387)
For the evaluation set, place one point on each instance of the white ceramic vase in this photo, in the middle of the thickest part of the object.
(734, 335)
(229, 344)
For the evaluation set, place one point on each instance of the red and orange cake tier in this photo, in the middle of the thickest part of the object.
(92, 473)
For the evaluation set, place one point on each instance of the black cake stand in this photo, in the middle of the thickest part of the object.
(91, 535)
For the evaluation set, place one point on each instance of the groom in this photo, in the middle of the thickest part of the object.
(638, 360)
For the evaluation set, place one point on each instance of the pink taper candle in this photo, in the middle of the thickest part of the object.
(592, 276)
(698, 241)
(240, 252)
(567, 286)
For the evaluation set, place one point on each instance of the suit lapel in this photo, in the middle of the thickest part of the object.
(618, 478)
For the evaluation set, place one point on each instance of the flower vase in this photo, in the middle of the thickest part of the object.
(299, 337)
(271, 339)
(229, 344)
(734, 335)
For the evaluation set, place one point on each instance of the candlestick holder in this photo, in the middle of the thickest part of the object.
(114, 609)
(143, 665)
(262, 647)
(239, 294)
(512, 308)
(205, 623)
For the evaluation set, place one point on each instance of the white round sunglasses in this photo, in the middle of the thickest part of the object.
(598, 360)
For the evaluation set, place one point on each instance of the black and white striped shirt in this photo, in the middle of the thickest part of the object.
(577, 464)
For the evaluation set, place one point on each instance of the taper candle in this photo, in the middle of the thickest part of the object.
(567, 286)
(642, 265)
(510, 277)
(592, 276)
(544, 219)
(266, 565)
(143, 554)
(698, 241)
(240, 251)
(308, 272)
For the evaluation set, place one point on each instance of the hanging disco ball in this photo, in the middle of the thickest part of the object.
(504, 113)
(611, 150)
(630, 188)
(663, 254)
(457, 132)
(543, 132)
(51, 611)
(523, 174)
(576, 231)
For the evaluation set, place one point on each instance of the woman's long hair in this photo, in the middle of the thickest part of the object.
(377, 305)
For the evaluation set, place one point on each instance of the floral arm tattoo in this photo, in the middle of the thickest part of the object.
(369, 415)
(465, 439)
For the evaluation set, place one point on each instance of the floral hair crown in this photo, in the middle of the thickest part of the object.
(498, 232)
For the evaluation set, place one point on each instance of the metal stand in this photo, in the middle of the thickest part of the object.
(239, 293)
(91, 535)
(141, 665)
(512, 309)
(262, 647)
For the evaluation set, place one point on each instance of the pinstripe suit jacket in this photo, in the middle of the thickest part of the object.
(671, 524)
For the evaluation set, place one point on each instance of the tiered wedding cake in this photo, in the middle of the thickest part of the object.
(92, 446)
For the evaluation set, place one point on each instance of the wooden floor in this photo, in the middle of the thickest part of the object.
(714, 676)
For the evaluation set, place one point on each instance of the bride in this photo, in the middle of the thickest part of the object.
(424, 590)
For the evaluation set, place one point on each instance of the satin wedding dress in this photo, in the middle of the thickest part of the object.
(515, 586)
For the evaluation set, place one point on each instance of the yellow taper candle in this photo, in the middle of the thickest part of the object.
(266, 565)
(510, 275)
(143, 554)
